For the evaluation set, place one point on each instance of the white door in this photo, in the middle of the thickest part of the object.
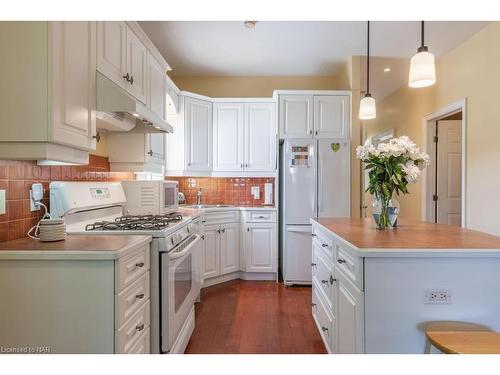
(156, 145)
(260, 137)
(74, 83)
(111, 50)
(449, 172)
(296, 116)
(297, 254)
(211, 253)
(228, 136)
(156, 100)
(260, 247)
(137, 62)
(349, 318)
(230, 248)
(333, 178)
(331, 116)
(198, 117)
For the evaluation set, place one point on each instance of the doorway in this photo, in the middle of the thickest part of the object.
(444, 187)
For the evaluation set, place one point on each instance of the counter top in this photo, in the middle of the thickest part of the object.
(409, 237)
(228, 208)
(74, 247)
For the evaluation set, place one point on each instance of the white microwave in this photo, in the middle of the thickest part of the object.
(158, 197)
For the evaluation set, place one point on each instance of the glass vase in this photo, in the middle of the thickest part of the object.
(385, 212)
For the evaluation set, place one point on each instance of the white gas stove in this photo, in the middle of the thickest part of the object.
(97, 208)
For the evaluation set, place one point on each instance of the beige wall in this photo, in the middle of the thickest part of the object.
(241, 87)
(471, 71)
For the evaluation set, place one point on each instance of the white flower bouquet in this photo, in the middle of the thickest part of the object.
(391, 166)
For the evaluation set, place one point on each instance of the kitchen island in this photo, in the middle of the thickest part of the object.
(374, 291)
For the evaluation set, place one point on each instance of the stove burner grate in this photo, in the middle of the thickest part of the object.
(136, 222)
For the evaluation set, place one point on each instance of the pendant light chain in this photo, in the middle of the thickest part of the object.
(368, 60)
(422, 35)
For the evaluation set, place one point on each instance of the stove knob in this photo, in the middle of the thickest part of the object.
(172, 240)
(178, 238)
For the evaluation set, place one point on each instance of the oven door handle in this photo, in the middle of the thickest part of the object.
(188, 248)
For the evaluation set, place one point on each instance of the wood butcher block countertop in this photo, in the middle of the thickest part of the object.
(86, 247)
(410, 237)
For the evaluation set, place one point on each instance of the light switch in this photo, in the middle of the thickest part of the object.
(255, 191)
(2, 202)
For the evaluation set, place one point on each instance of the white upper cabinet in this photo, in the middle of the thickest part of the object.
(331, 116)
(156, 143)
(296, 116)
(73, 86)
(260, 137)
(112, 51)
(156, 98)
(136, 66)
(198, 123)
(228, 136)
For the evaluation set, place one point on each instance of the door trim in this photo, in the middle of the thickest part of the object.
(428, 123)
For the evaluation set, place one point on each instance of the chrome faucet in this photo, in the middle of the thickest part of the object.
(198, 197)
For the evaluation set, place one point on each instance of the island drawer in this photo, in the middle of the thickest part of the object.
(142, 344)
(350, 264)
(130, 299)
(324, 241)
(220, 217)
(127, 335)
(322, 273)
(130, 268)
(260, 216)
(323, 319)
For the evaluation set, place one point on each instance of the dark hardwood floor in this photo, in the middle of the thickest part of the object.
(255, 317)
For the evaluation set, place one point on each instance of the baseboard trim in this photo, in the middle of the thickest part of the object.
(248, 276)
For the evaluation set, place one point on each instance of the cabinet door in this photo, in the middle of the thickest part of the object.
(260, 137)
(334, 187)
(230, 248)
(156, 100)
(111, 50)
(198, 118)
(260, 247)
(211, 253)
(349, 317)
(228, 136)
(331, 116)
(296, 116)
(74, 83)
(156, 147)
(136, 66)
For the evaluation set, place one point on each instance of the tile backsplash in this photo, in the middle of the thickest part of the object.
(223, 190)
(16, 178)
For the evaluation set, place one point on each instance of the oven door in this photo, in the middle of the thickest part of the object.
(180, 286)
(169, 197)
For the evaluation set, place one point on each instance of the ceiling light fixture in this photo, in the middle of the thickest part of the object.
(367, 107)
(387, 70)
(422, 66)
(250, 24)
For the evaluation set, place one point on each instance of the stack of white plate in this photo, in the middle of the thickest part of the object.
(52, 230)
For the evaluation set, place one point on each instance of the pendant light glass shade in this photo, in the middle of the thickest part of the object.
(422, 70)
(367, 108)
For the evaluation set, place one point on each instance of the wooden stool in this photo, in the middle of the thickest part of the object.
(462, 338)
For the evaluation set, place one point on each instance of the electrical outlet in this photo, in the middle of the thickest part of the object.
(33, 207)
(437, 296)
(2, 202)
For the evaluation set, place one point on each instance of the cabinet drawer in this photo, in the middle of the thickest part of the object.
(221, 217)
(127, 335)
(141, 345)
(348, 262)
(130, 299)
(260, 217)
(130, 268)
(323, 319)
(325, 242)
(322, 273)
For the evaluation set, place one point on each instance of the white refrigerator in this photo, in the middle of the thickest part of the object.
(314, 182)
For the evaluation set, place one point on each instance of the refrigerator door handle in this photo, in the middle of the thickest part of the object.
(317, 203)
(305, 229)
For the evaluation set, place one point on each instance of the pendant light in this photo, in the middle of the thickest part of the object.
(422, 66)
(367, 107)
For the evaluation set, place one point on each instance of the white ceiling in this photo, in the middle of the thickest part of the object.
(287, 48)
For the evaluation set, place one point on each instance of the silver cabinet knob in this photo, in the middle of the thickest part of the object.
(324, 329)
(139, 296)
(324, 281)
(313, 264)
(140, 264)
(332, 280)
(139, 327)
(313, 235)
(340, 261)
(202, 236)
(127, 77)
(324, 245)
(313, 304)
(131, 80)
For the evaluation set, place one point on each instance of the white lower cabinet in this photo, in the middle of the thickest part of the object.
(221, 249)
(337, 301)
(260, 247)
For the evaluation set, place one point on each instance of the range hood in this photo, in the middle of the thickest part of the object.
(117, 111)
